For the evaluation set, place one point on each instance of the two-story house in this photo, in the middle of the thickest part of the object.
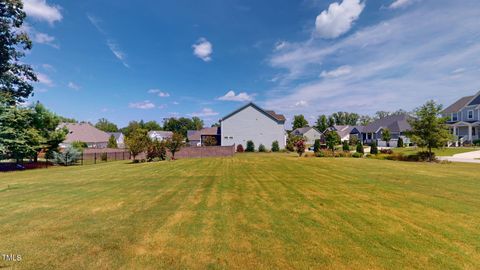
(464, 118)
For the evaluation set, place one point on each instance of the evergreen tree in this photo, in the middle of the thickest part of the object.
(332, 140)
(316, 146)
(250, 147)
(322, 124)
(400, 142)
(112, 142)
(360, 148)
(275, 146)
(374, 148)
(345, 146)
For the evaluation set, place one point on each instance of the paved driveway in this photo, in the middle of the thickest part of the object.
(469, 157)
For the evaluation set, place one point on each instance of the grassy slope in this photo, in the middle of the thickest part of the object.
(446, 152)
(251, 211)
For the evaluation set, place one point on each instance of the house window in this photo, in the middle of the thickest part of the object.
(470, 114)
(454, 117)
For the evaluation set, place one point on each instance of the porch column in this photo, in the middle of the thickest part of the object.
(470, 133)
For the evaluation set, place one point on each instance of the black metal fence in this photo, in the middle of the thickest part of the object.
(96, 156)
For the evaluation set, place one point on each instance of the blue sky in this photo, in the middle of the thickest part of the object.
(126, 60)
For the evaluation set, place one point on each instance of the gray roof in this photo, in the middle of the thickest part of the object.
(195, 135)
(84, 132)
(395, 123)
(162, 133)
(279, 118)
(458, 105)
(304, 130)
(342, 130)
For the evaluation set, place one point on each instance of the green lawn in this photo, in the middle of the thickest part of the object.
(253, 211)
(446, 152)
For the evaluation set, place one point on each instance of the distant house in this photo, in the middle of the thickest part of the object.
(309, 133)
(197, 137)
(250, 122)
(397, 124)
(84, 132)
(160, 135)
(343, 131)
(464, 118)
(119, 138)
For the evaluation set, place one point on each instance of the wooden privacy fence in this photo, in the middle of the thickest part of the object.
(205, 151)
(95, 156)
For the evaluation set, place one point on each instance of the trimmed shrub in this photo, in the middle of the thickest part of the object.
(316, 145)
(400, 142)
(386, 151)
(374, 148)
(320, 154)
(476, 142)
(68, 156)
(240, 148)
(360, 148)
(346, 146)
(250, 147)
(275, 146)
(104, 157)
(353, 140)
(357, 155)
(261, 148)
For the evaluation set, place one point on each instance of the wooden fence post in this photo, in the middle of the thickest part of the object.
(95, 158)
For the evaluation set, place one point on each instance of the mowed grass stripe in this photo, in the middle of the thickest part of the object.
(250, 211)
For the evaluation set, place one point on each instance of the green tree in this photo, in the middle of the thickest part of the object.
(79, 145)
(345, 146)
(331, 121)
(197, 123)
(365, 120)
(374, 148)
(151, 125)
(15, 75)
(322, 124)
(275, 146)
(69, 156)
(316, 145)
(112, 142)
(46, 123)
(156, 149)
(175, 143)
(210, 141)
(250, 147)
(386, 136)
(137, 142)
(429, 130)
(360, 148)
(400, 142)
(180, 125)
(261, 148)
(299, 121)
(105, 125)
(332, 140)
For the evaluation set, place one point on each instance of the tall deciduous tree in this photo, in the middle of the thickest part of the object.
(332, 140)
(105, 125)
(112, 142)
(137, 142)
(46, 123)
(386, 136)
(15, 76)
(322, 124)
(197, 123)
(175, 143)
(299, 121)
(428, 129)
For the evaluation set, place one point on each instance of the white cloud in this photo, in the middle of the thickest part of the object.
(73, 86)
(44, 79)
(158, 92)
(204, 112)
(281, 45)
(144, 105)
(301, 103)
(119, 54)
(395, 65)
(400, 3)
(41, 10)
(338, 19)
(203, 49)
(48, 67)
(38, 37)
(231, 96)
(341, 71)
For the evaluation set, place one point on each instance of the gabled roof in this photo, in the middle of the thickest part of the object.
(116, 135)
(84, 132)
(161, 133)
(395, 123)
(195, 135)
(304, 130)
(279, 118)
(342, 130)
(459, 104)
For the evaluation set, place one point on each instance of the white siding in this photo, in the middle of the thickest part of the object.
(251, 124)
(312, 135)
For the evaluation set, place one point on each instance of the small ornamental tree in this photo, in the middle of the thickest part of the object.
(68, 156)
(175, 143)
(360, 148)
(387, 136)
(261, 148)
(400, 142)
(332, 140)
(346, 146)
(300, 147)
(353, 140)
(250, 147)
(137, 142)
(210, 141)
(291, 141)
(275, 146)
(374, 148)
(316, 146)
(79, 145)
(240, 148)
(112, 143)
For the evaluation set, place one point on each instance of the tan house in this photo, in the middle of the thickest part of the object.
(84, 132)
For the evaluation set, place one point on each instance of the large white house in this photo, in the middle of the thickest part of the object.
(252, 123)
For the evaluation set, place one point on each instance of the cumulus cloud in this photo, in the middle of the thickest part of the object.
(338, 19)
(143, 105)
(73, 86)
(38, 37)
(44, 79)
(203, 49)
(41, 10)
(341, 71)
(159, 92)
(231, 96)
(204, 112)
(301, 103)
